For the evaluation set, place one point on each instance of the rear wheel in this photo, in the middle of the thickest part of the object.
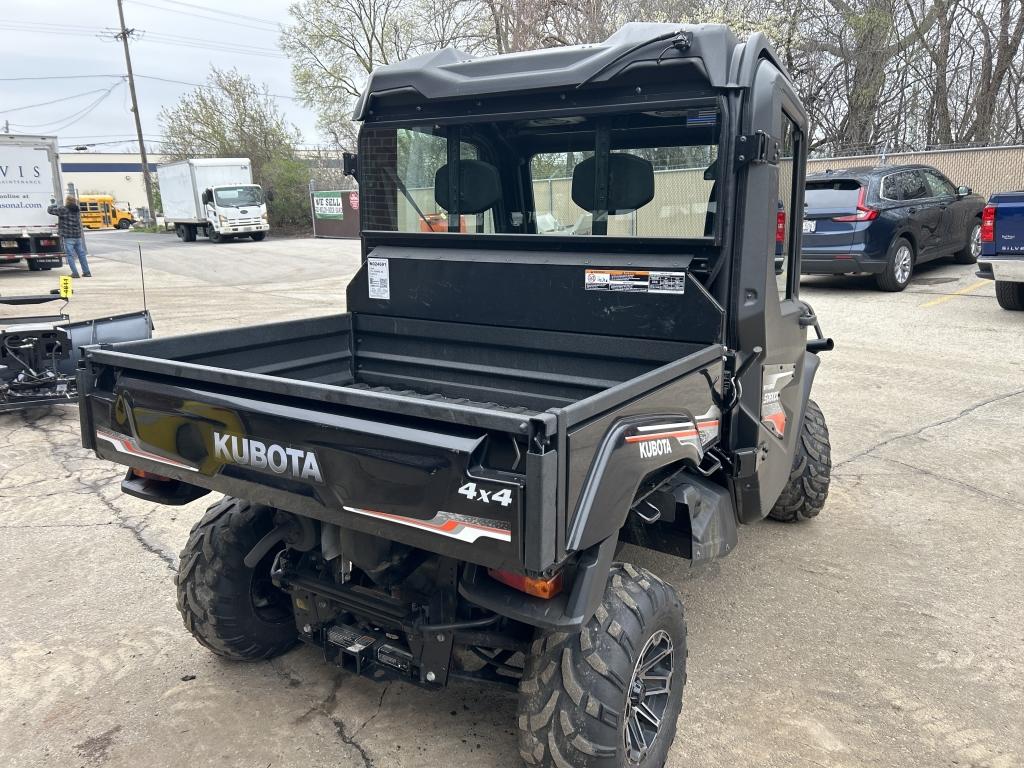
(609, 696)
(234, 610)
(257, 236)
(899, 266)
(972, 250)
(805, 493)
(1010, 295)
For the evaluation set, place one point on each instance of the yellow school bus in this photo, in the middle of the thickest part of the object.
(101, 212)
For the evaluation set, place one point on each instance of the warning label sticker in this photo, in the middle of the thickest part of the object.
(635, 281)
(379, 279)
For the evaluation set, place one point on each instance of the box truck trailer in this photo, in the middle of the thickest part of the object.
(213, 197)
(29, 183)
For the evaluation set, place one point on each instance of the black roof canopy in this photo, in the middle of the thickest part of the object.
(449, 74)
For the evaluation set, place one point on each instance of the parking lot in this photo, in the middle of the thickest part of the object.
(887, 632)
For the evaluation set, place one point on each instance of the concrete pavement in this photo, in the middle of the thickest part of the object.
(887, 632)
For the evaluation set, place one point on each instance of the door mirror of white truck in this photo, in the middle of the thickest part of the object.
(207, 196)
(350, 164)
(269, 195)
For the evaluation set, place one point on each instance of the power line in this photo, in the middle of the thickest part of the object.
(214, 10)
(73, 118)
(206, 87)
(193, 15)
(58, 77)
(54, 101)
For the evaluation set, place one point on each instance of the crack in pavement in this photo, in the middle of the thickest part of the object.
(55, 438)
(920, 430)
(325, 709)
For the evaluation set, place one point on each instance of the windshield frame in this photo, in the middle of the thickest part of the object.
(219, 204)
(709, 98)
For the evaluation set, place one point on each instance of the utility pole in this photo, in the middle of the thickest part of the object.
(123, 36)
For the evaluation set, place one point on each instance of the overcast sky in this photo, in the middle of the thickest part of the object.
(179, 40)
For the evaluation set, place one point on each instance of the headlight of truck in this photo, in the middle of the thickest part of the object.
(264, 215)
(223, 219)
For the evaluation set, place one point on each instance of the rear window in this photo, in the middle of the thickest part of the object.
(838, 194)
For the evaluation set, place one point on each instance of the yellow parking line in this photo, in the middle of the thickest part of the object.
(954, 294)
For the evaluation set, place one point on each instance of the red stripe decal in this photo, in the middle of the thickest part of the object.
(683, 433)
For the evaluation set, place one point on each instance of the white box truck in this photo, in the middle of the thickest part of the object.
(29, 184)
(214, 197)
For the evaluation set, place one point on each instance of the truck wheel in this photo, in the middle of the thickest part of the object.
(805, 493)
(610, 695)
(186, 232)
(972, 250)
(257, 236)
(123, 224)
(214, 235)
(1010, 295)
(233, 610)
(899, 266)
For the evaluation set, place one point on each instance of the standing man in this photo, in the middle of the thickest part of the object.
(70, 226)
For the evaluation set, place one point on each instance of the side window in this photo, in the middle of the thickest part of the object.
(916, 186)
(420, 155)
(893, 186)
(939, 185)
(787, 213)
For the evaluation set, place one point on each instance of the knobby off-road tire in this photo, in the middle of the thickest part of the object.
(805, 493)
(1010, 295)
(575, 695)
(233, 610)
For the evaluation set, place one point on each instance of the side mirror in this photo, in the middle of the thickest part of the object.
(963, 191)
(207, 196)
(350, 164)
(269, 194)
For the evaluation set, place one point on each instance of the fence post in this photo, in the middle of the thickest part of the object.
(312, 205)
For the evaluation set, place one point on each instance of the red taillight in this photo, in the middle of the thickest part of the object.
(864, 213)
(542, 588)
(780, 227)
(988, 224)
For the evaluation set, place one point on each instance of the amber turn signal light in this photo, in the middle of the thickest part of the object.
(542, 588)
(141, 473)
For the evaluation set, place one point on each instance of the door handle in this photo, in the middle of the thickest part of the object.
(911, 210)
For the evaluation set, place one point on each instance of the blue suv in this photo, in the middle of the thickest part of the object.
(886, 220)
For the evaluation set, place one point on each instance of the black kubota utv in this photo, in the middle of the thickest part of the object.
(576, 324)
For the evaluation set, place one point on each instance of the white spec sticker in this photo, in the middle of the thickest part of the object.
(379, 279)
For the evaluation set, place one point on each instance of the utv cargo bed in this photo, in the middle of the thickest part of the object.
(490, 426)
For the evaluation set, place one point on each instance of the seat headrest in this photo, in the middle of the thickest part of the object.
(479, 187)
(630, 183)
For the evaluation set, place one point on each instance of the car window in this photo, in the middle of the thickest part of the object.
(892, 186)
(905, 185)
(939, 184)
(834, 194)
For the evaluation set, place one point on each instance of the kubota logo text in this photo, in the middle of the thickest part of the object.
(259, 455)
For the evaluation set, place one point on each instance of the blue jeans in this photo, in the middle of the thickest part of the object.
(72, 246)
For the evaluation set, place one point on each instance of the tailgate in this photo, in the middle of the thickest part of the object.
(421, 483)
(1009, 225)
